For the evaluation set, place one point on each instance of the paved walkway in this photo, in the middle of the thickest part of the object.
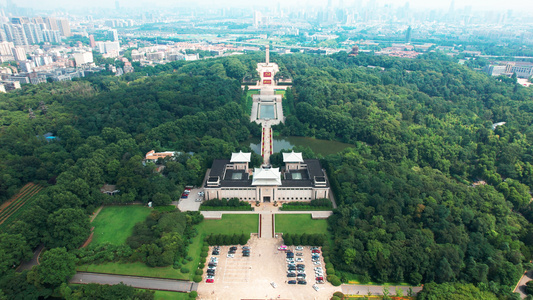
(521, 286)
(267, 141)
(350, 289)
(266, 225)
(33, 262)
(218, 214)
(137, 282)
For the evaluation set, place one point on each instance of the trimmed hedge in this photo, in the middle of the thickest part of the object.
(304, 239)
(227, 239)
(197, 278)
(334, 280)
(303, 207)
(225, 208)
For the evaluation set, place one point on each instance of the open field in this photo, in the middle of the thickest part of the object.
(300, 223)
(114, 224)
(10, 210)
(230, 224)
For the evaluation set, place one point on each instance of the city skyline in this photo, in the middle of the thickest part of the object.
(522, 5)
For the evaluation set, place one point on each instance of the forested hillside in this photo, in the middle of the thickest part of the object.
(422, 131)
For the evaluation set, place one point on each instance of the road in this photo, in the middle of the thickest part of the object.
(350, 289)
(138, 282)
(520, 288)
(33, 262)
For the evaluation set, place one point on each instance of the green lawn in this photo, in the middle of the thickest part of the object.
(114, 224)
(230, 224)
(164, 295)
(300, 223)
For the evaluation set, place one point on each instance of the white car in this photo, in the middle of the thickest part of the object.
(290, 260)
(316, 263)
(198, 200)
(315, 287)
(273, 284)
(299, 248)
(214, 259)
(299, 259)
(230, 256)
(210, 277)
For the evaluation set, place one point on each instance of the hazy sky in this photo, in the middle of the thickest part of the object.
(519, 5)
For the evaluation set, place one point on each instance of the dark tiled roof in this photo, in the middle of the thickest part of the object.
(313, 167)
(217, 169)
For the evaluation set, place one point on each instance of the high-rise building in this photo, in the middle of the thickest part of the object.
(408, 35)
(112, 34)
(83, 58)
(51, 23)
(64, 27)
(52, 36)
(15, 33)
(34, 33)
(91, 41)
(6, 48)
(19, 53)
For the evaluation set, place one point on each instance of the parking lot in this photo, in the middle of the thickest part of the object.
(190, 204)
(251, 277)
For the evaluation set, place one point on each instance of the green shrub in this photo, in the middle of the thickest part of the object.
(189, 258)
(203, 254)
(184, 270)
(334, 280)
(193, 294)
(199, 271)
(205, 248)
(339, 294)
(201, 265)
(335, 298)
(197, 278)
(330, 271)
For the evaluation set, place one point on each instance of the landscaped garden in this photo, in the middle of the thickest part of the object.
(229, 224)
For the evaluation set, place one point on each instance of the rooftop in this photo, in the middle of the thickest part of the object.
(241, 157)
(293, 157)
(266, 176)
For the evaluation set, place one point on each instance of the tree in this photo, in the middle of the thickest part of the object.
(161, 199)
(68, 227)
(57, 267)
(13, 249)
(529, 287)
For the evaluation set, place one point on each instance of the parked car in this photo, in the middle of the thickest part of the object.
(315, 287)
(273, 284)
(299, 254)
(210, 280)
(198, 200)
(247, 248)
(299, 248)
(315, 251)
(314, 248)
(302, 282)
(184, 196)
(301, 275)
(299, 259)
(233, 248)
(316, 263)
(319, 278)
(215, 252)
(291, 274)
(230, 256)
(291, 282)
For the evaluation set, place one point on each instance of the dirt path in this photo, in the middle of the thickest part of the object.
(96, 213)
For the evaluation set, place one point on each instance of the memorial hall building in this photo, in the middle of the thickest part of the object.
(298, 180)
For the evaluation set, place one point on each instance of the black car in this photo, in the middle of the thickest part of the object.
(215, 253)
(233, 248)
(292, 268)
(300, 265)
(290, 255)
(231, 252)
(292, 282)
(302, 282)
(291, 274)
(245, 251)
(246, 254)
(246, 248)
(212, 272)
